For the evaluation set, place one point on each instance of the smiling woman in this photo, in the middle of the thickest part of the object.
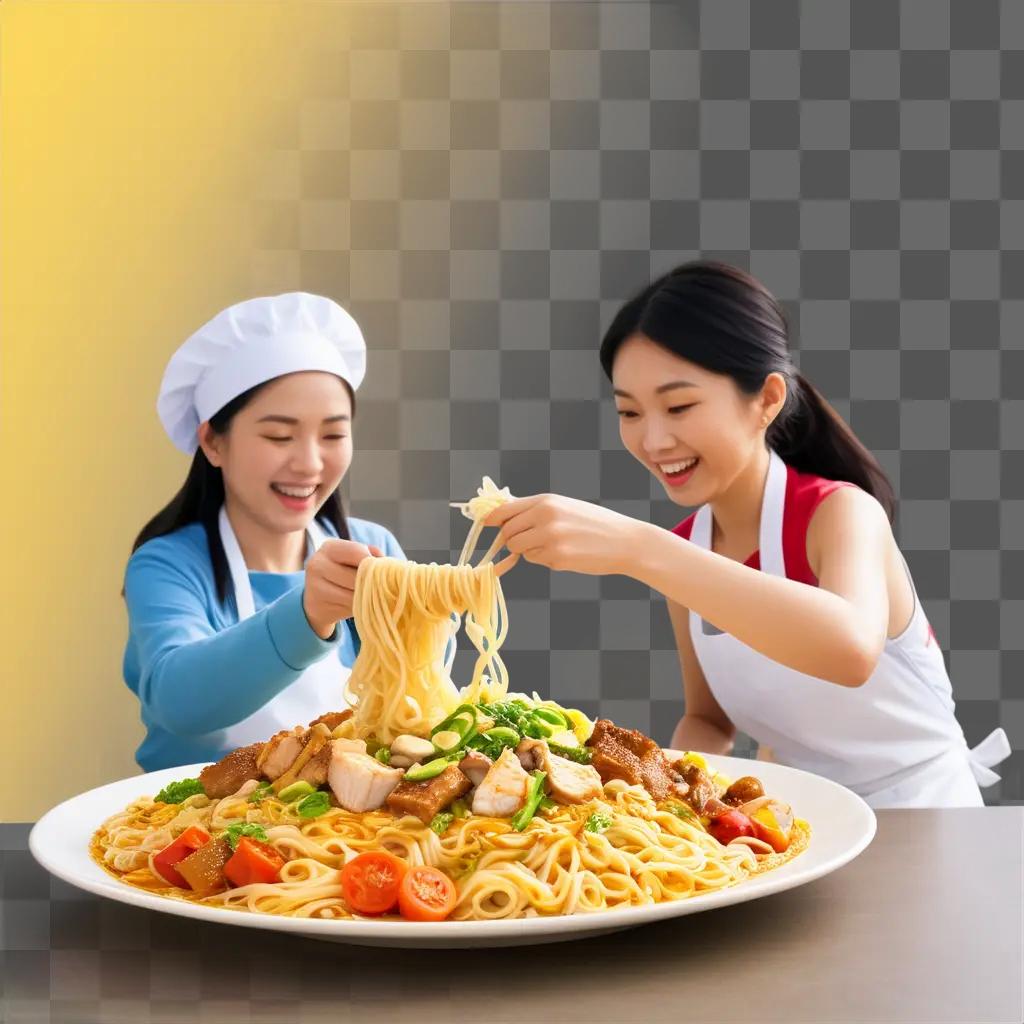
(240, 590)
(795, 614)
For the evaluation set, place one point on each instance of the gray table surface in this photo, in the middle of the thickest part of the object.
(926, 925)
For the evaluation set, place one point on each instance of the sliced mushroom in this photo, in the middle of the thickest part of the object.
(410, 748)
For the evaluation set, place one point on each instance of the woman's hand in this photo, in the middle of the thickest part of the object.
(565, 534)
(331, 583)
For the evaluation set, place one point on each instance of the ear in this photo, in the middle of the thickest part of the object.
(773, 397)
(210, 442)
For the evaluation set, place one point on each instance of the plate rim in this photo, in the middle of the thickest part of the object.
(105, 885)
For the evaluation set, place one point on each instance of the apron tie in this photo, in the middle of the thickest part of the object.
(993, 749)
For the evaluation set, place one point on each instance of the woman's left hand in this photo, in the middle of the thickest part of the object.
(564, 533)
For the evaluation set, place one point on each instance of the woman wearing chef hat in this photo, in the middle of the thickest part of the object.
(794, 612)
(239, 592)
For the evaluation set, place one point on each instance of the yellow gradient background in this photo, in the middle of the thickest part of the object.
(131, 134)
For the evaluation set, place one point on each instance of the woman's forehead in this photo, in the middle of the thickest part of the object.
(307, 395)
(643, 365)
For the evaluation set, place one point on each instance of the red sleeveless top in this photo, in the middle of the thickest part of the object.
(804, 493)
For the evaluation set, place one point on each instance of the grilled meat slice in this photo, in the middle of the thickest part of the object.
(229, 773)
(630, 755)
(425, 799)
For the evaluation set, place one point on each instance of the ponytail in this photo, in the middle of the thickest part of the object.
(812, 437)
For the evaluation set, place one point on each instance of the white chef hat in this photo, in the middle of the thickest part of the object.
(250, 343)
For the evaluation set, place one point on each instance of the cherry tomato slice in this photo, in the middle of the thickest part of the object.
(371, 881)
(426, 894)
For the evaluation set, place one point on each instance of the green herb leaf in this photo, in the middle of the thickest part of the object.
(246, 828)
(685, 812)
(440, 822)
(176, 792)
(314, 805)
(261, 792)
(598, 823)
(383, 755)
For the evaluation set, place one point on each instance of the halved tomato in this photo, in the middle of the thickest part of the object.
(426, 894)
(371, 881)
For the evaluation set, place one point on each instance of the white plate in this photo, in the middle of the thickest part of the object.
(842, 826)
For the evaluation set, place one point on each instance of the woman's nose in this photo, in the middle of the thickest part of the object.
(657, 437)
(307, 458)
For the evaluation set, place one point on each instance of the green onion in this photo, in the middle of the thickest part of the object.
(383, 755)
(463, 722)
(420, 773)
(440, 822)
(176, 792)
(581, 755)
(598, 823)
(261, 792)
(296, 791)
(314, 805)
(534, 795)
(460, 808)
(551, 716)
(248, 828)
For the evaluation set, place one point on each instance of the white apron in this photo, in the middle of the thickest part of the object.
(895, 740)
(319, 689)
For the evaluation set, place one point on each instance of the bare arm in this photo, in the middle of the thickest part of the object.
(704, 725)
(835, 631)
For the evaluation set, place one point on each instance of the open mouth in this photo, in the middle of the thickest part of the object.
(295, 497)
(678, 473)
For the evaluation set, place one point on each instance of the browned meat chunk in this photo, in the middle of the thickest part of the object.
(630, 755)
(229, 773)
(314, 771)
(332, 719)
(702, 789)
(425, 799)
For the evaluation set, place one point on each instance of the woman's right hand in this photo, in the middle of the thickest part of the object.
(331, 583)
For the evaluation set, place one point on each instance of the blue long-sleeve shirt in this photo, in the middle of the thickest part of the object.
(194, 667)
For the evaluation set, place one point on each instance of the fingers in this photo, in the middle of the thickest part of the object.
(345, 552)
(505, 564)
(376, 551)
(503, 513)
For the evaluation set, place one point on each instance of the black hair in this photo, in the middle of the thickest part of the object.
(202, 495)
(726, 321)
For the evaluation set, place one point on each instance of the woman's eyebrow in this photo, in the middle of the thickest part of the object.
(659, 390)
(292, 421)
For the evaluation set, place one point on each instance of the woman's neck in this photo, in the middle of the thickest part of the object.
(266, 550)
(737, 511)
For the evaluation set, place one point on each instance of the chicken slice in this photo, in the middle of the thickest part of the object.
(360, 782)
(280, 752)
(503, 790)
(475, 766)
(567, 782)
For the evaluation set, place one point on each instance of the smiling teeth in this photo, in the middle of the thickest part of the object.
(295, 492)
(672, 468)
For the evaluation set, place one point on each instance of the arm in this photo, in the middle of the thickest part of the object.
(835, 631)
(194, 679)
(704, 725)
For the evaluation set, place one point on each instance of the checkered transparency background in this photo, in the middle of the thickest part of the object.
(482, 184)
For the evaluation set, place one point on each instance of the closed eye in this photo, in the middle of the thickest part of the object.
(680, 408)
(626, 414)
(335, 437)
(276, 438)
